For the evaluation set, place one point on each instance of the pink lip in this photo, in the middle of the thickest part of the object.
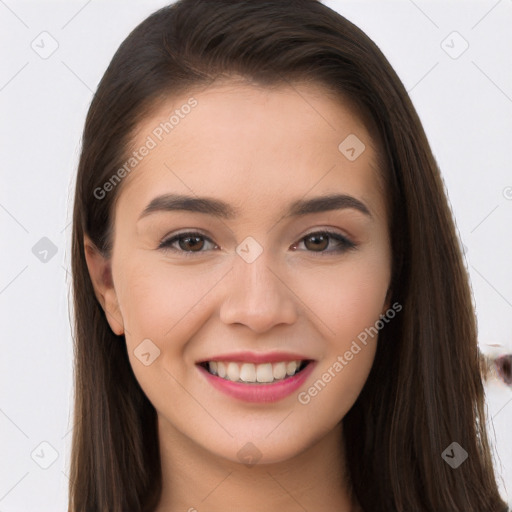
(257, 358)
(259, 392)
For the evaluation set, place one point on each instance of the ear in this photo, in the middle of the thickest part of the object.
(100, 271)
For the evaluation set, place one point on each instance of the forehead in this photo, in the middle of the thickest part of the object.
(252, 146)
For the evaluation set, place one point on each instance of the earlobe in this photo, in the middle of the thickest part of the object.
(100, 272)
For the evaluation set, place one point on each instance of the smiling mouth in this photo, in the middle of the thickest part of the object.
(250, 373)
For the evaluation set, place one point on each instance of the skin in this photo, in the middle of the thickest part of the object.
(258, 149)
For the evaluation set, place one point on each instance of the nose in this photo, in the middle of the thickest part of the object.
(257, 296)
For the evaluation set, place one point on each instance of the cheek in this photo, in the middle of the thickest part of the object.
(158, 299)
(160, 303)
(348, 302)
(346, 298)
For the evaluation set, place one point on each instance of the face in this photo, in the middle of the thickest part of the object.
(264, 275)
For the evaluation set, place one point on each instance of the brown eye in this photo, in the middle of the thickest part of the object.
(188, 243)
(319, 241)
(192, 243)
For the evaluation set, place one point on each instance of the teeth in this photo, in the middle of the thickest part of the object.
(291, 367)
(247, 372)
(221, 370)
(233, 372)
(253, 373)
(279, 370)
(264, 373)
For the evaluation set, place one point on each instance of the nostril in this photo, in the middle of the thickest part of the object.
(504, 368)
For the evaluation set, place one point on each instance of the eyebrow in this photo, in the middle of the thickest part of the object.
(220, 209)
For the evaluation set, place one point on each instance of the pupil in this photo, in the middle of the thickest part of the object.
(190, 241)
(317, 241)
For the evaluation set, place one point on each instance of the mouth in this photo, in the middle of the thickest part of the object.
(257, 374)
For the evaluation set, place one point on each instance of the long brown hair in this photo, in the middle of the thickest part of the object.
(424, 391)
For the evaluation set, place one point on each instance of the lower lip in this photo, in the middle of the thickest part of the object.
(259, 392)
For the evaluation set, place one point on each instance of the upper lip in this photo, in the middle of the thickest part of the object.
(257, 357)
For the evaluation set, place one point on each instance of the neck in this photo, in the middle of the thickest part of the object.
(194, 479)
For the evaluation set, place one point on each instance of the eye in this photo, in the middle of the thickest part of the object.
(318, 241)
(188, 243)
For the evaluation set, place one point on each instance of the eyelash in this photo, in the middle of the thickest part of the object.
(346, 244)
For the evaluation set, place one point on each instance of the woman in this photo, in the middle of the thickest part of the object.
(272, 310)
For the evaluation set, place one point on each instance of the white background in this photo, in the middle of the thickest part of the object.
(465, 104)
